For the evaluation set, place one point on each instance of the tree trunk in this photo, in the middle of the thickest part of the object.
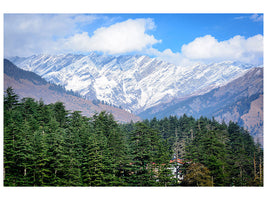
(254, 162)
(260, 171)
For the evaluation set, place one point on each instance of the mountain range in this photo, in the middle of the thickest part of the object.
(135, 83)
(149, 87)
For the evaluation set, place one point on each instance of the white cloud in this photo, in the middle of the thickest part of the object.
(238, 48)
(256, 17)
(208, 49)
(45, 25)
(169, 56)
(27, 34)
(123, 37)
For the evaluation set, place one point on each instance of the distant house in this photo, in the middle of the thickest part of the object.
(176, 164)
(175, 167)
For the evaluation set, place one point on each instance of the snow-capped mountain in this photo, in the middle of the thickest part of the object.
(134, 82)
(28, 84)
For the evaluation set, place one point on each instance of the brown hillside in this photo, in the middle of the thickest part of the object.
(26, 88)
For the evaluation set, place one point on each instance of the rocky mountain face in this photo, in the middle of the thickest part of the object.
(240, 100)
(29, 84)
(135, 83)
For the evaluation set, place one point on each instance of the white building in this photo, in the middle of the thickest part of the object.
(176, 164)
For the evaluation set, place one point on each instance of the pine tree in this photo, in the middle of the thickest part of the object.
(56, 141)
(60, 113)
(10, 99)
(92, 166)
(148, 157)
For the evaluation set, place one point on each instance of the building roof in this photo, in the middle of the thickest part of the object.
(178, 160)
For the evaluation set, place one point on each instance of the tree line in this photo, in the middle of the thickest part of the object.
(47, 145)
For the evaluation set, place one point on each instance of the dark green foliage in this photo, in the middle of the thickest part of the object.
(151, 156)
(46, 145)
(226, 153)
(10, 99)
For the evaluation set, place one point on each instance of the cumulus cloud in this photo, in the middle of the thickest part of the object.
(123, 37)
(27, 34)
(208, 49)
(238, 48)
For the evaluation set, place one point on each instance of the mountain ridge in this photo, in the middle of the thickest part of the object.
(132, 82)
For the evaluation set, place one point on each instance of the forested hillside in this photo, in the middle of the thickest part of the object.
(46, 145)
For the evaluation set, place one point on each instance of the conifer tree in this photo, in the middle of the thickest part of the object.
(10, 99)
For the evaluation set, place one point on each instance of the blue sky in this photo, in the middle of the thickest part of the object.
(181, 39)
(177, 29)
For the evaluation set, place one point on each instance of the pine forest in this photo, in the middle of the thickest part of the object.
(47, 145)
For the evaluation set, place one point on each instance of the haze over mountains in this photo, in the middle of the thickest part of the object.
(149, 87)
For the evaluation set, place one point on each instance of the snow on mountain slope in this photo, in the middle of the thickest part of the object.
(133, 82)
(28, 84)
